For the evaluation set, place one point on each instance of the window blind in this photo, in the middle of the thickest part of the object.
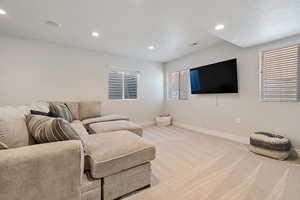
(178, 85)
(130, 85)
(115, 85)
(183, 85)
(173, 83)
(123, 84)
(280, 76)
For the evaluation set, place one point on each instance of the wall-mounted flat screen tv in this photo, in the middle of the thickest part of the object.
(215, 78)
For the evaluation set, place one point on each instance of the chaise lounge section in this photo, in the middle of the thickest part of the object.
(111, 160)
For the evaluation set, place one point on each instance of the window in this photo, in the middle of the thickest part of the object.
(178, 85)
(280, 74)
(122, 84)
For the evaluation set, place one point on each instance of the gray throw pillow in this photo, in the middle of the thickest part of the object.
(61, 110)
(46, 129)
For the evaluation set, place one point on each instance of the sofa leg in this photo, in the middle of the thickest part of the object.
(102, 187)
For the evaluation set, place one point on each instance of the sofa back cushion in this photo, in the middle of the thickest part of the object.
(61, 110)
(13, 129)
(14, 133)
(73, 107)
(47, 129)
(89, 109)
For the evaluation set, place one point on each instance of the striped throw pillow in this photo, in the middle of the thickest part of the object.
(47, 129)
(61, 110)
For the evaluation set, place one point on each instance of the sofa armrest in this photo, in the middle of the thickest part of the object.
(49, 171)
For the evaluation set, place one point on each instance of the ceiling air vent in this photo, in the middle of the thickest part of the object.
(52, 23)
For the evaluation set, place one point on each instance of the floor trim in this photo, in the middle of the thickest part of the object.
(229, 136)
(146, 124)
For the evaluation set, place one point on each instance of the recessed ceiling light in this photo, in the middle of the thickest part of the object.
(194, 44)
(2, 12)
(151, 47)
(52, 23)
(95, 34)
(219, 27)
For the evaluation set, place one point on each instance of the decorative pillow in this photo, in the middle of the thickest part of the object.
(61, 110)
(35, 112)
(49, 114)
(46, 129)
(74, 108)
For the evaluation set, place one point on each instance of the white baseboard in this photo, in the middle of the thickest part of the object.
(146, 124)
(229, 136)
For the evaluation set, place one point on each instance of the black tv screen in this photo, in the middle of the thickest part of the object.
(215, 78)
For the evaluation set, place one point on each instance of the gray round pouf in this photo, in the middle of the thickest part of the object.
(270, 145)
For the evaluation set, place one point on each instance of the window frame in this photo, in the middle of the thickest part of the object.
(123, 70)
(178, 94)
(260, 72)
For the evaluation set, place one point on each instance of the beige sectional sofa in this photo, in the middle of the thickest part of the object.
(110, 161)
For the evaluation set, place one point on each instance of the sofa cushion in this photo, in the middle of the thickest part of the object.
(79, 128)
(105, 118)
(47, 129)
(14, 133)
(74, 108)
(81, 131)
(13, 129)
(89, 109)
(61, 110)
(112, 153)
(103, 127)
(14, 112)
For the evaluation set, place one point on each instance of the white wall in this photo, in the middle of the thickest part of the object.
(219, 112)
(32, 70)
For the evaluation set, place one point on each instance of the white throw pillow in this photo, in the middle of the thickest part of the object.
(13, 129)
(41, 106)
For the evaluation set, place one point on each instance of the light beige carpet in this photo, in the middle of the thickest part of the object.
(194, 166)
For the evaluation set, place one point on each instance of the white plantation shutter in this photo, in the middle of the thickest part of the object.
(183, 85)
(173, 83)
(178, 85)
(115, 85)
(280, 74)
(123, 84)
(130, 85)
